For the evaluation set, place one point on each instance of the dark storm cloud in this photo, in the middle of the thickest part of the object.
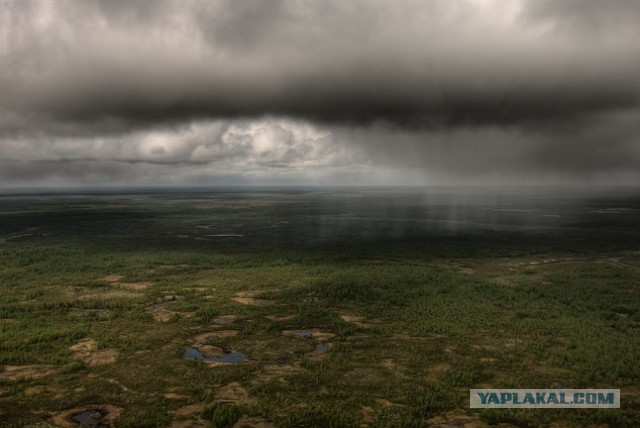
(605, 149)
(436, 63)
(592, 16)
(451, 89)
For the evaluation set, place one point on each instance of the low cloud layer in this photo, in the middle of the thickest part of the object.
(413, 91)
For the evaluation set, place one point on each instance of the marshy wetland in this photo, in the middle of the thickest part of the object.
(316, 307)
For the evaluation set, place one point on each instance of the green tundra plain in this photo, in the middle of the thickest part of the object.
(347, 308)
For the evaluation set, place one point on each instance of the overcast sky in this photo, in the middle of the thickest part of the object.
(203, 92)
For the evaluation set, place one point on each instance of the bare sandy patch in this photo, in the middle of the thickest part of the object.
(234, 393)
(226, 333)
(433, 336)
(162, 314)
(134, 286)
(210, 350)
(34, 390)
(322, 335)
(213, 356)
(204, 342)
(197, 423)
(86, 351)
(279, 317)
(175, 396)
(116, 280)
(251, 293)
(386, 403)
(252, 422)
(321, 352)
(630, 393)
(33, 371)
(511, 343)
(316, 356)
(225, 319)
(367, 413)
(56, 391)
(251, 301)
(84, 346)
(358, 337)
(109, 294)
(437, 371)
(313, 334)
(101, 358)
(112, 278)
(105, 415)
(358, 320)
(220, 363)
(389, 363)
(190, 410)
(248, 298)
(276, 371)
(455, 420)
(436, 421)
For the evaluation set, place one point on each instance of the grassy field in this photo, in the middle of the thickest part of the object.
(375, 320)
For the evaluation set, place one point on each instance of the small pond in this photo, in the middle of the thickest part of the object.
(229, 358)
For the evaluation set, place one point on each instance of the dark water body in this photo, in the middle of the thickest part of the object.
(322, 347)
(230, 358)
(89, 418)
(304, 334)
(232, 217)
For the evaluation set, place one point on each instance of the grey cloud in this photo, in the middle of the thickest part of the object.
(604, 150)
(589, 16)
(446, 90)
(236, 145)
(78, 65)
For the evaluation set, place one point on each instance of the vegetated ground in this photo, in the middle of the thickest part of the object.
(380, 319)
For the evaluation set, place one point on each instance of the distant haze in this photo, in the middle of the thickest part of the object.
(195, 92)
